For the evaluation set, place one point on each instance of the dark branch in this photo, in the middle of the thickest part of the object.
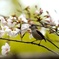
(29, 43)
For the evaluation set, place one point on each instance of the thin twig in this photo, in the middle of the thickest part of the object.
(29, 43)
(49, 40)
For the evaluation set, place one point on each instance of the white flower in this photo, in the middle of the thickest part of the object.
(10, 22)
(22, 15)
(17, 30)
(2, 32)
(13, 32)
(24, 28)
(10, 17)
(43, 30)
(30, 36)
(4, 27)
(23, 18)
(5, 49)
(2, 20)
(53, 27)
(7, 30)
(58, 28)
(13, 18)
(47, 19)
(37, 12)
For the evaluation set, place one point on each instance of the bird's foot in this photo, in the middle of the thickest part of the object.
(32, 41)
(39, 43)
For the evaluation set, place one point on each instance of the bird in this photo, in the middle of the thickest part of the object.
(36, 34)
(39, 36)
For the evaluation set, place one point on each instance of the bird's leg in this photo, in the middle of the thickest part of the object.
(34, 40)
(40, 42)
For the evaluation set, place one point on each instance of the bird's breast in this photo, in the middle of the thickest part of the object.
(36, 35)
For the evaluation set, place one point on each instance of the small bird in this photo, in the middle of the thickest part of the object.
(38, 35)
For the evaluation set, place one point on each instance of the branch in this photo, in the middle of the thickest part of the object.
(30, 43)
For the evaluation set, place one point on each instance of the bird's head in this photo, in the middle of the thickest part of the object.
(33, 26)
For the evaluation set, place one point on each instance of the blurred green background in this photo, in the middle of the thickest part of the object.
(19, 47)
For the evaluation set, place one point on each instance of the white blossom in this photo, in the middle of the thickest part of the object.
(53, 27)
(23, 18)
(7, 30)
(9, 20)
(24, 28)
(13, 18)
(12, 32)
(58, 28)
(9, 23)
(2, 32)
(30, 36)
(10, 17)
(43, 30)
(37, 12)
(2, 20)
(47, 19)
(5, 49)
(4, 27)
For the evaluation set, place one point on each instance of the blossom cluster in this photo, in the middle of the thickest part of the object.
(5, 49)
(13, 25)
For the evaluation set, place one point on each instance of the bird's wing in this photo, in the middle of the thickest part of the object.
(41, 35)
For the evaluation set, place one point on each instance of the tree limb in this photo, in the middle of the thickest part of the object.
(29, 43)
